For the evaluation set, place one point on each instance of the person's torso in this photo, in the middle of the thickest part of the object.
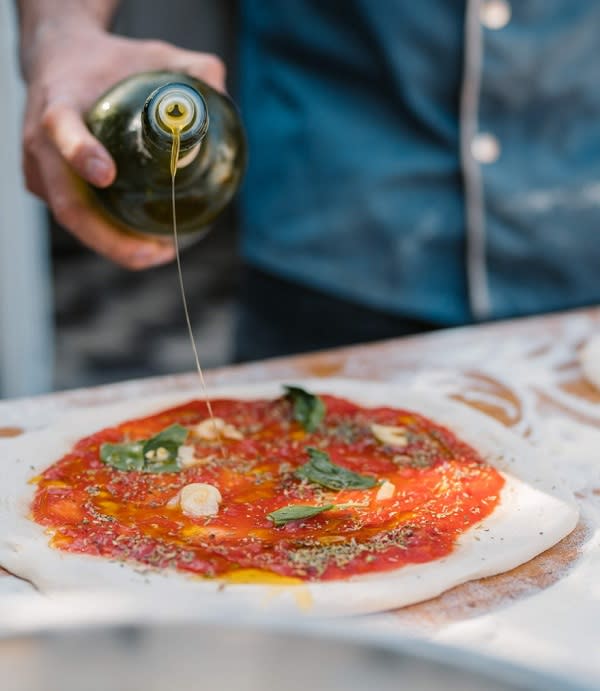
(355, 119)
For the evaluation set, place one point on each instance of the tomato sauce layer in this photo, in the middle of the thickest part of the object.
(441, 488)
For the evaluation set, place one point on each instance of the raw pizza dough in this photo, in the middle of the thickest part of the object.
(534, 514)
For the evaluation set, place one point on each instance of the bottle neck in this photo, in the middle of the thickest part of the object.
(174, 108)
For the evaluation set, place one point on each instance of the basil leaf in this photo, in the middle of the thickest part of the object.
(321, 471)
(170, 439)
(129, 456)
(295, 512)
(309, 410)
(133, 455)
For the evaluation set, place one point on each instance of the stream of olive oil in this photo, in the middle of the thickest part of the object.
(176, 132)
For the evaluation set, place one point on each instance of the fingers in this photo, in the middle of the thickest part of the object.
(71, 206)
(205, 66)
(33, 180)
(86, 155)
(32, 138)
(164, 56)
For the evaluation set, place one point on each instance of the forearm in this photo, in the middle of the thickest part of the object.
(45, 20)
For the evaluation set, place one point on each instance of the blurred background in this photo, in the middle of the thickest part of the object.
(106, 323)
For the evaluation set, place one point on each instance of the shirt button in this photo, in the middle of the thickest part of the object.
(495, 14)
(485, 148)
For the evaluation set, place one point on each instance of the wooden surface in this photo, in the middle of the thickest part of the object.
(520, 372)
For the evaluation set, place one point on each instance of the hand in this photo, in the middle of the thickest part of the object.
(67, 70)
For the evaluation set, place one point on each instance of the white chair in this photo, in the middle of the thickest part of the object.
(26, 332)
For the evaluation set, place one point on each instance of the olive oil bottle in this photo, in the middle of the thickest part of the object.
(137, 120)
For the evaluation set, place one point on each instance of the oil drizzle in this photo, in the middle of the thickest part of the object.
(176, 132)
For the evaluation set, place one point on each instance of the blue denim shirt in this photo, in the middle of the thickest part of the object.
(425, 158)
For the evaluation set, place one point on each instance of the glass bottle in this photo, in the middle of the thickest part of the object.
(135, 119)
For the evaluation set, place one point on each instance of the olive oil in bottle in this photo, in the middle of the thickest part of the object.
(136, 121)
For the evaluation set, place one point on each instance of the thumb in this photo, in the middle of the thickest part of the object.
(205, 66)
(65, 128)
